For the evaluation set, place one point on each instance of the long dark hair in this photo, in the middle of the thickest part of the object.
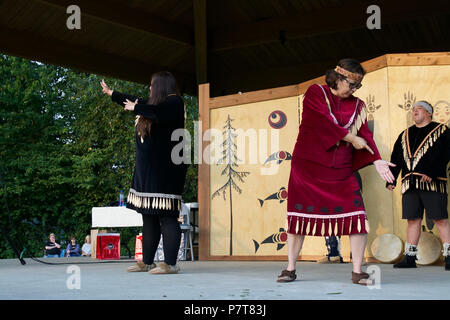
(331, 76)
(163, 84)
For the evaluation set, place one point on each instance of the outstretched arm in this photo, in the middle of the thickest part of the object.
(118, 97)
(122, 98)
(170, 110)
(396, 158)
(105, 88)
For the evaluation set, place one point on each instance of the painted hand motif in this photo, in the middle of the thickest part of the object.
(410, 99)
(370, 104)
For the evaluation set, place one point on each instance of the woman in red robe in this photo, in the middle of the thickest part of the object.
(334, 141)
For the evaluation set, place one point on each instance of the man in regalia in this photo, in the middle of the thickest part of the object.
(422, 153)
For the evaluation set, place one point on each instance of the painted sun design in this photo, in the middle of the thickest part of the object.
(277, 119)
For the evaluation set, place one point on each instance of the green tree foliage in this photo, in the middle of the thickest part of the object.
(64, 148)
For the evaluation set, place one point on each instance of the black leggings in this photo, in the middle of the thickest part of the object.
(153, 227)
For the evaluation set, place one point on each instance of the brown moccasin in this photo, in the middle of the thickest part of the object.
(361, 278)
(287, 276)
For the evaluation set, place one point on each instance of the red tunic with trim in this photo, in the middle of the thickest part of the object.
(324, 198)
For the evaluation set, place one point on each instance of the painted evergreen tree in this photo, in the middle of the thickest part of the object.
(230, 159)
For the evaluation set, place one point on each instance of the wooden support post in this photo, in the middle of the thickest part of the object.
(201, 54)
(203, 177)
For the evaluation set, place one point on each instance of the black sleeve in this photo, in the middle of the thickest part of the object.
(433, 171)
(169, 111)
(120, 98)
(397, 159)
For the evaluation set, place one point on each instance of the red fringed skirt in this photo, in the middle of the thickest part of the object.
(324, 201)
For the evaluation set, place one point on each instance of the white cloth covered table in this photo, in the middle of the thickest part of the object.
(115, 217)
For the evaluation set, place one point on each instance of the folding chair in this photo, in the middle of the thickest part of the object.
(186, 230)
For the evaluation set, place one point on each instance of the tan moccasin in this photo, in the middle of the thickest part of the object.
(141, 267)
(328, 259)
(164, 268)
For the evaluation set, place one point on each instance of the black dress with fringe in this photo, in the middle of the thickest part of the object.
(158, 180)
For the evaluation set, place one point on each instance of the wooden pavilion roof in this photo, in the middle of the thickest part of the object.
(235, 45)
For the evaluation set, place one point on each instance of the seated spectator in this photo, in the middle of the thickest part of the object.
(52, 249)
(86, 248)
(73, 248)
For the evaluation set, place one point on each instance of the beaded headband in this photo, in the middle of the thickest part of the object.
(351, 75)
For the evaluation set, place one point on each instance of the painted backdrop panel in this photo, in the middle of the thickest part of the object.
(252, 196)
(408, 84)
(248, 195)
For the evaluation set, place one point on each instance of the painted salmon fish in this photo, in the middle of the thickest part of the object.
(279, 156)
(279, 195)
(278, 238)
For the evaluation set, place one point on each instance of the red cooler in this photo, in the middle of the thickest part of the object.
(108, 246)
(138, 248)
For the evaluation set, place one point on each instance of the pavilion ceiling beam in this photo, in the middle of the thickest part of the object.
(125, 16)
(249, 80)
(201, 54)
(225, 82)
(352, 16)
(87, 59)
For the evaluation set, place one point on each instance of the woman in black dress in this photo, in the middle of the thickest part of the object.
(158, 179)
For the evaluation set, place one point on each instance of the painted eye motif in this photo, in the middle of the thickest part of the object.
(282, 155)
(283, 194)
(277, 119)
(283, 237)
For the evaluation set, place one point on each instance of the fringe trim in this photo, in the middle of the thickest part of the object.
(405, 147)
(412, 160)
(154, 201)
(326, 226)
(354, 125)
(446, 249)
(360, 120)
(413, 179)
